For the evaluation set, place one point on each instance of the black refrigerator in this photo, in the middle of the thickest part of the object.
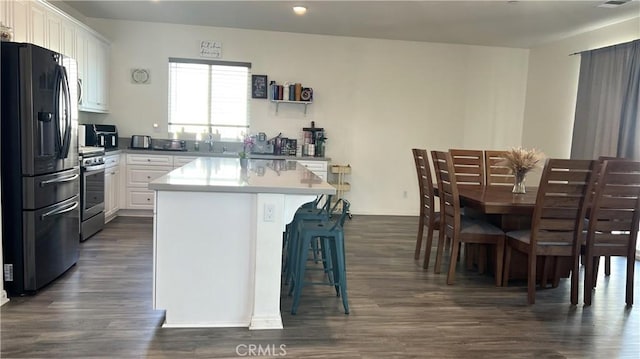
(40, 176)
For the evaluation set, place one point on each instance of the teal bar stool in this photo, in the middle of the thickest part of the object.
(331, 236)
(310, 211)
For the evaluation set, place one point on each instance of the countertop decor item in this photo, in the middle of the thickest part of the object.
(520, 161)
(247, 145)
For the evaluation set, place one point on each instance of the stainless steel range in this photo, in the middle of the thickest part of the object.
(91, 191)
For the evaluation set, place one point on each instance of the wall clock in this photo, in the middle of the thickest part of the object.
(140, 76)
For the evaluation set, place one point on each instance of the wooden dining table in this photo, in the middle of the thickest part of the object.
(509, 211)
(498, 205)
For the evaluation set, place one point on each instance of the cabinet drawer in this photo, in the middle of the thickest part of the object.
(141, 176)
(112, 161)
(317, 167)
(179, 161)
(313, 166)
(150, 160)
(140, 199)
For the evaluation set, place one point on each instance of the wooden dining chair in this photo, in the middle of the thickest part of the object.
(470, 171)
(607, 259)
(497, 172)
(456, 227)
(468, 166)
(428, 215)
(613, 218)
(557, 222)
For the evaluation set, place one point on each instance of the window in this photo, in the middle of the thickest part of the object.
(209, 97)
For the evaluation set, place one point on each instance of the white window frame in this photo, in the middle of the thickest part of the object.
(213, 125)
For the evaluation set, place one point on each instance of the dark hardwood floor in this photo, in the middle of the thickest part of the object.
(101, 308)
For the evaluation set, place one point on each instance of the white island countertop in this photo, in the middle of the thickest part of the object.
(211, 174)
(217, 248)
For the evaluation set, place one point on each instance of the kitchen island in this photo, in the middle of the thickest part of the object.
(217, 241)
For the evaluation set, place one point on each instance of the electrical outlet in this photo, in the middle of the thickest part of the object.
(269, 212)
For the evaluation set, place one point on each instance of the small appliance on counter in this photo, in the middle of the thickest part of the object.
(140, 142)
(93, 135)
(261, 145)
(169, 145)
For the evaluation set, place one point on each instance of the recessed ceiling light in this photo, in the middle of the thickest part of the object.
(300, 10)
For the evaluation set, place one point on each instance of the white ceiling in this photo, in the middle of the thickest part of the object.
(523, 24)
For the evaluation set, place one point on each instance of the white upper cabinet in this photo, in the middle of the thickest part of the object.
(37, 22)
(68, 39)
(40, 23)
(54, 33)
(95, 84)
(18, 19)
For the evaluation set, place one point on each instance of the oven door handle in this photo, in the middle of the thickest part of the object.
(58, 211)
(95, 168)
(60, 180)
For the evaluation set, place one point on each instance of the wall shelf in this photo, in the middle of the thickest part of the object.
(305, 103)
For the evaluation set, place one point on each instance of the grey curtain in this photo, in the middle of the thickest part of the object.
(606, 118)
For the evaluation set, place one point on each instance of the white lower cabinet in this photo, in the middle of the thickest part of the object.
(179, 161)
(142, 169)
(317, 167)
(112, 179)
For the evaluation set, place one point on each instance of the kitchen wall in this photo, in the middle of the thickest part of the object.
(376, 98)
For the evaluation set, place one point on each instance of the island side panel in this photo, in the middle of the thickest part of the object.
(205, 248)
(274, 211)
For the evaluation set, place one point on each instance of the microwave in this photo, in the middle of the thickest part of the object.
(98, 135)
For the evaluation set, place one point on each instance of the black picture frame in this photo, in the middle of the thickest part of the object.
(259, 86)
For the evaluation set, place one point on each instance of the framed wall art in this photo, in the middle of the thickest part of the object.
(259, 86)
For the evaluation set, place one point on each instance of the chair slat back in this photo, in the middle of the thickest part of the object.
(498, 173)
(559, 210)
(468, 166)
(448, 192)
(615, 209)
(425, 182)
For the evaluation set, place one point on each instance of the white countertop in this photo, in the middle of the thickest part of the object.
(211, 174)
(191, 153)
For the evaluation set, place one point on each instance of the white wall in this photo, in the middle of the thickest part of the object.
(553, 85)
(376, 98)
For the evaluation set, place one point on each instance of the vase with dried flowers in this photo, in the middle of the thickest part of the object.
(520, 161)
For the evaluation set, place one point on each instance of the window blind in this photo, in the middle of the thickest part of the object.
(209, 96)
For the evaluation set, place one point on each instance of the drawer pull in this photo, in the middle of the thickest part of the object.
(148, 199)
(148, 177)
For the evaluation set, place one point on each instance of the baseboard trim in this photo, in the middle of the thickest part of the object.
(135, 213)
(3, 298)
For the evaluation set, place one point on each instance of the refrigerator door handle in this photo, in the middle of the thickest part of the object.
(58, 211)
(66, 140)
(56, 111)
(60, 180)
